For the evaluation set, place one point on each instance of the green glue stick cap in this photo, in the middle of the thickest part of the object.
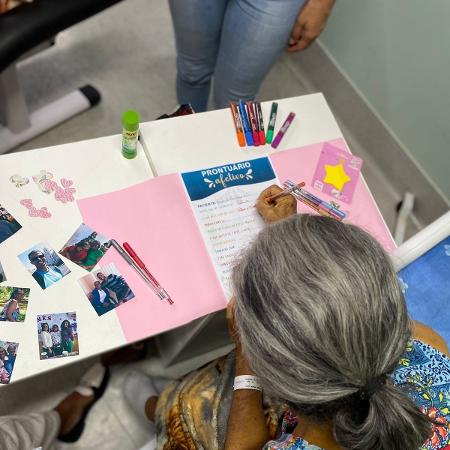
(269, 136)
(130, 120)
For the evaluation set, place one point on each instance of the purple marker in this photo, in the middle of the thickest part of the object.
(283, 129)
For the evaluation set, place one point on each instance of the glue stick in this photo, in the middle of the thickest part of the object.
(130, 132)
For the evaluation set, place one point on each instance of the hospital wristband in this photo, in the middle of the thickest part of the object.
(246, 382)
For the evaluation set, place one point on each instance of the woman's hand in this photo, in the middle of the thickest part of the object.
(310, 23)
(278, 209)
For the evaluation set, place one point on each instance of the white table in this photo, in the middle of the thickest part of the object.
(97, 166)
(208, 139)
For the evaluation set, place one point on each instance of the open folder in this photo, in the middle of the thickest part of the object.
(190, 228)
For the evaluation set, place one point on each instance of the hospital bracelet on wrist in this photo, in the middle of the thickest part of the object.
(246, 382)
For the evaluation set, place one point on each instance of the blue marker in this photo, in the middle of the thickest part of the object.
(245, 123)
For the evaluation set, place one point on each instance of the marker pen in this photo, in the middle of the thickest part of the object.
(283, 129)
(245, 123)
(237, 124)
(272, 120)
(253, 122)
(259, 115)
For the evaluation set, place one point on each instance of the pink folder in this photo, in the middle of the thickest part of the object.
(155, 217)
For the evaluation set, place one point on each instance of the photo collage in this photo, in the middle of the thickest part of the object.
(103, 286)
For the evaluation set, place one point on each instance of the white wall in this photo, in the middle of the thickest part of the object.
(397, 54)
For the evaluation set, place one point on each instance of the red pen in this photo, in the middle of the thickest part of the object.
(253, 122)
(259, 114)
(162, 293)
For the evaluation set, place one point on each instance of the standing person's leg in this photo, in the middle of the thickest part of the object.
(29, 431)
(253, 36)
(65, 421)
(197, 25)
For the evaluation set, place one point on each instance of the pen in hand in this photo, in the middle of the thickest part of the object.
(285, 191)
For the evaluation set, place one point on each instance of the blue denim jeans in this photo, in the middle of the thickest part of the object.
(234, 41)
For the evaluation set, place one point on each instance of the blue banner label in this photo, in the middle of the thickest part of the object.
(202, 183)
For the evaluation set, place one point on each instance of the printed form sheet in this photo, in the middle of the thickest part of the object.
(222, 199)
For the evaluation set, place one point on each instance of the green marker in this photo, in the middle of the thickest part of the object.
(273, 118)
(130, 132)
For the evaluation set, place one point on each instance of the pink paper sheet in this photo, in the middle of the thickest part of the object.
(299, 164)
(163, 232)
(156, 219)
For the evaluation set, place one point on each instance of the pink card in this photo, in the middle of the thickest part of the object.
(337, 173)
(299, 163)
(156, 219)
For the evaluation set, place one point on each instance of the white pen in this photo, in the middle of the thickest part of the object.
(143, 275)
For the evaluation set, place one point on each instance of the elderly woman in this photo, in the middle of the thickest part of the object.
(326, 355)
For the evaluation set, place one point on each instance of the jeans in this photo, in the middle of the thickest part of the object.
(236, 41)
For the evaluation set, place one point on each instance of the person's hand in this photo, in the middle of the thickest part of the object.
(278, 209)
(311, 21)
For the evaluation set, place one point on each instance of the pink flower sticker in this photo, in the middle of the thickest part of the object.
(27, 202)
(44, 213)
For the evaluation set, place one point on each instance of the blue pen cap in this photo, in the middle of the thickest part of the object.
(249, 138)
(244, 117)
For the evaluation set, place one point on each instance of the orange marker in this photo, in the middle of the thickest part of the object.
(237, 124)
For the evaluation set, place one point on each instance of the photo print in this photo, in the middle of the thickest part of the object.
(8, 225)
(2, 274)
(106, 289)
(85, 247)
(8, 352)
(13, 303)
(44, 265)
(57, 335)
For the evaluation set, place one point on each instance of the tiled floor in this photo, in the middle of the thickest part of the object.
(128, 53)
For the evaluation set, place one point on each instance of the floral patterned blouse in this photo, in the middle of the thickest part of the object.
(423, 367)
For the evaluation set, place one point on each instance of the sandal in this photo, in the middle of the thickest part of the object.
(93, 382)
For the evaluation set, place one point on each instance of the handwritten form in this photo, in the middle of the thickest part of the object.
(222, 199)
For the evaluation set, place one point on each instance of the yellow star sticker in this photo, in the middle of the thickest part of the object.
(336, 176)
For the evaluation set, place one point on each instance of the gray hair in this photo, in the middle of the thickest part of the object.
(320, 313)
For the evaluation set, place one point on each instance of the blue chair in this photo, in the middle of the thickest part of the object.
(423, 266)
